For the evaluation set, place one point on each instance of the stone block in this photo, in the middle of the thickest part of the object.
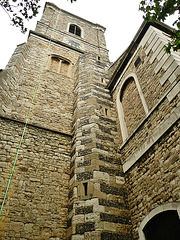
(78, 219)
(109, 226)
(16, 226)
(97, 175)
(78, 237)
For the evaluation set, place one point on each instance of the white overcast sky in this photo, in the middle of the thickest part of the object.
(121, 19)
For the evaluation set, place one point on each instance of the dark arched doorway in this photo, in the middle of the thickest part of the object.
(164, 226)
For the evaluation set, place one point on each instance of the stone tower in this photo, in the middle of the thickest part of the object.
(99, 159)
(68, 181)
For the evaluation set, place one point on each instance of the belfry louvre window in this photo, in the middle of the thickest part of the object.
(75, 30)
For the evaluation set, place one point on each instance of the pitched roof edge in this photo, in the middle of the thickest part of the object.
(127, 54)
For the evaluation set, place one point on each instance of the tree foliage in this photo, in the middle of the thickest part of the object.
(21, 10)
(160, 10)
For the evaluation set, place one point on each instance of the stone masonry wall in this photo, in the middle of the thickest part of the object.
(37, 201)
(92, 39)
(18, 59)
(150, 154)
(10, 77)
(98, 199)
(154, 92)
(132, 105)
(155, 178)
(148, 79)
(147, 128)
(53, 103)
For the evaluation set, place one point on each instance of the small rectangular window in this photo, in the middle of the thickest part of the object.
(138, 60)
(85, 188)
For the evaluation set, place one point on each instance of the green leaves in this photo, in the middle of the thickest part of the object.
(174, 44)
(20, 10)
(159, 10)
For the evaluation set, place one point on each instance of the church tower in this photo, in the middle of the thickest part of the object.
(89, 149)
(68, 181)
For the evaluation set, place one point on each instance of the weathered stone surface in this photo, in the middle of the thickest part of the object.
(84, 210)
(114, 204)
(114, 236)
(81, 228)
(68, 181)
(36, 203)
(114, 218)
(84, 176)
(149, 179)
(113, 190)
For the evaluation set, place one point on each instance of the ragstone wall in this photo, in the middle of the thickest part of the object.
(37, 201)
(92, 35)
(150, 154)
(53, 103)
(154, 179)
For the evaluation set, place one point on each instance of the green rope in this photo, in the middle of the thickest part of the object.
(35, 92)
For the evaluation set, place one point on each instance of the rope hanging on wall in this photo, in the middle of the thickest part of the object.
(27, 119)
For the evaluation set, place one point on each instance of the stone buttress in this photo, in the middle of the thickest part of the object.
(98, 207)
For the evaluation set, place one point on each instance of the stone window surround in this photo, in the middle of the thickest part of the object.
(154, 212)
(80, 189)
(60, 58)
(123, 127)
(175, 114)
(82, 31)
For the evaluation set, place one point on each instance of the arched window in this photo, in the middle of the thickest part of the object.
(59, 65)
(131, 105)
(74, 29)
